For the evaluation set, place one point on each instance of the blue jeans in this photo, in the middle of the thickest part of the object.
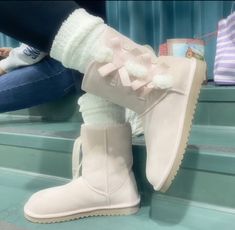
(32, 85)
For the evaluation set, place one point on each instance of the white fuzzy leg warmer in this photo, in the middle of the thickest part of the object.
(96, 110)
(136, 123)
(75, 45)
(77, 40)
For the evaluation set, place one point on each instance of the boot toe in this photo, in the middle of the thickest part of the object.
(41, 204)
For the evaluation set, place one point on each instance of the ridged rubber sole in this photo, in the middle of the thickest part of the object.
(102, 212)
(190, 111)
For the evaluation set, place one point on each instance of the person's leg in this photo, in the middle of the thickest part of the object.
(131, 76)
(104, 153)
(37, 22)
(34, 22)
(28, 86)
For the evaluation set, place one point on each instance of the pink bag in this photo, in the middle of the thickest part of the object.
(224, 67)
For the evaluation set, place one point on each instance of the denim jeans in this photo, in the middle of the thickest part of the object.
(32, 85)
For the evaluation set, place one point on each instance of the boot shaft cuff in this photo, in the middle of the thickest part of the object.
(71, 33)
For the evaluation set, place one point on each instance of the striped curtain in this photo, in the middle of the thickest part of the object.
(152, 22)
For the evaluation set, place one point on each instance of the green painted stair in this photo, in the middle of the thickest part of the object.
(17, 186)
(36, 153)
(216, 106)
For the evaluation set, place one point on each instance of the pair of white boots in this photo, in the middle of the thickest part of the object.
(162, 90)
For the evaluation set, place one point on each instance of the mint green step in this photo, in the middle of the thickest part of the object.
(204, 186)
(36, 146)
(164, 214)
(211, 148)
(16, 187)
(45, 148)
(198, 200)
(171, 212)
(211, 92)
(215, 107)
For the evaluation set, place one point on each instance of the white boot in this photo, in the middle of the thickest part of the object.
(106, 187)
(136, 123)
(95, 111)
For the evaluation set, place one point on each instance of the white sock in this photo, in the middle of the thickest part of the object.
(136, 123)
(96, 110)
(77, 41)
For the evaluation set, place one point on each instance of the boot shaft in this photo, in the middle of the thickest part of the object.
(106, 155)
(135, 78)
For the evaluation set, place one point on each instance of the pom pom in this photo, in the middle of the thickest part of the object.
(162, 81)
(104, 55)
(136, 70)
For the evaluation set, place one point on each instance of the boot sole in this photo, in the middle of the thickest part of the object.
(190, 111)
(101, 212)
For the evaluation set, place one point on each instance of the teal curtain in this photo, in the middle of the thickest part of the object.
(152, 22)
(6, 41)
